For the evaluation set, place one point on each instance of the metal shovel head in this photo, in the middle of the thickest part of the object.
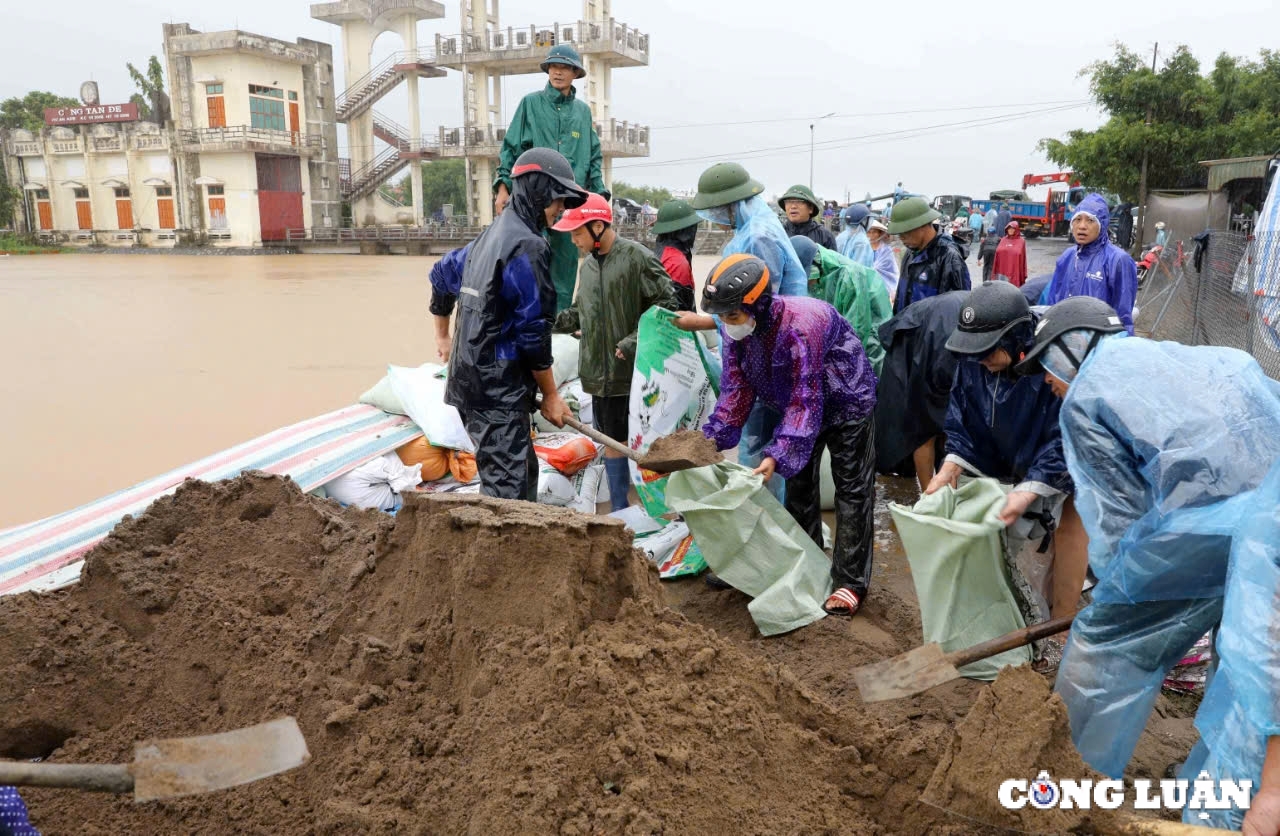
(667, 465)
(190, 765)
(902, 676)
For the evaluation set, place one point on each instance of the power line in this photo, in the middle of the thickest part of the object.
(863, 115)
(852, 140)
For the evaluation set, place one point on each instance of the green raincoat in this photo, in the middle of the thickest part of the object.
(859, 295)
(613, 294)
(550, 119)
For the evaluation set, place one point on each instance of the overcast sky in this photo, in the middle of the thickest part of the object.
(898, 76)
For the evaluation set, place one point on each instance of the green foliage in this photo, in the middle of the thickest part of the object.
(656, 195)
(28, 112)
(1233, 111)
(150, 86)
(443, 181)
(8, 201)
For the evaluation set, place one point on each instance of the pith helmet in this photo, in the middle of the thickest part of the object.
(675, 215)
(799, 192)
(724, 183)
(567, 55)
(910, 214)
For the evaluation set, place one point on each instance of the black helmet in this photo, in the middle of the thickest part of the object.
(990, 312)
(554, 166)
(738, 280)
(1077, 313)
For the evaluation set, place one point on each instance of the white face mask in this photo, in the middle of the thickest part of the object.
(740, 332)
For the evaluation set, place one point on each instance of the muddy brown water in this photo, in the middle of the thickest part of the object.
(120, 367)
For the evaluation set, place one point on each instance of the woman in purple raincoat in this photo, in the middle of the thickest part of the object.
(802, 359)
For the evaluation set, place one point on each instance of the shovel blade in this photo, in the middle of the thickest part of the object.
(190, 765)
(667, 465)
(902, 676)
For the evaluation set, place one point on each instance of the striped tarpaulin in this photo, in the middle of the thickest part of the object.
(47, 554)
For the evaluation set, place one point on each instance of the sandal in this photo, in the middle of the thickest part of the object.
(843, 602)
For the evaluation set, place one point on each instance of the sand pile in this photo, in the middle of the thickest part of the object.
(468, 666)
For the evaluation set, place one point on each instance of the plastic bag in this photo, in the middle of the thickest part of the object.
(751, 542)
(674, 387)
(554, 488)
(463, 466)
(382, 396)
(434, 460)
(564, 358)
(586, 485)
(421, 390)
(375, 484)
(566, 452)
(954, 543)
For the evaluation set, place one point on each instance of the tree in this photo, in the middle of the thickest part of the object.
(443, 181)
(656, 195)
(28, 112)
(1234, 111)
(150, 89)
(8, 201)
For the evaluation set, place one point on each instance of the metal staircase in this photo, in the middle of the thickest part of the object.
(382, 79)
(390, 131)
(366, 179)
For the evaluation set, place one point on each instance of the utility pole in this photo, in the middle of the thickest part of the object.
(1142, 179)
(811, 126)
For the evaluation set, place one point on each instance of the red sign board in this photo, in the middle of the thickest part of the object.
(90, 114)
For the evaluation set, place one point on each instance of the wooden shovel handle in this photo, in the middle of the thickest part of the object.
(105, 777)
(601, 438)
(960, 658)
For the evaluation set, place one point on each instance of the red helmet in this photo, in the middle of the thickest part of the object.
(595, 209)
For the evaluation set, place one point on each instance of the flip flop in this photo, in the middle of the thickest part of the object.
(843, 602)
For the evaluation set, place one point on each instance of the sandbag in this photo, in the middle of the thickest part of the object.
(564, 358)
(434, 460)
(586, 485)
(554, 488)
(674, 387)
(954, 542)
(463, 466)
(375, 484)
(751, 542)
(566, 452)
(382, 396)
(421, 390)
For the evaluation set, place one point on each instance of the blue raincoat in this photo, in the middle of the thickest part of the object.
(1240, 710)
(1006, 426)
(854, 245)
(757, 230)
(1166, 445)
(1099, 269)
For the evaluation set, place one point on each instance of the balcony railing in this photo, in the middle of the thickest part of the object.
(68, 146)
(108, 143)
(591, 37)
(24, 148)
(243, 137)
(623, 139)
(150, 142)
(455, 230)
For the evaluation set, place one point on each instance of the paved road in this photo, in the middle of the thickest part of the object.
(1042, 253)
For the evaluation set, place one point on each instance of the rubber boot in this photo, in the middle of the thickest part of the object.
(619, 473)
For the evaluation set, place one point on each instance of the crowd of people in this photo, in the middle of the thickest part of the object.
(908, 366)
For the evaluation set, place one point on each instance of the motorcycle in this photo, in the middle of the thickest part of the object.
(961, 232)
(1150, 257)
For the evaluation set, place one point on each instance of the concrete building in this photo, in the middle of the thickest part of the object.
(255, 137)
(107, 184)
(486, 51)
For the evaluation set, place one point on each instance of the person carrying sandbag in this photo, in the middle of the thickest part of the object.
(802, 359)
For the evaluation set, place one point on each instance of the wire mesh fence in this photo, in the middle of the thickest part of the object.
(1221, 298)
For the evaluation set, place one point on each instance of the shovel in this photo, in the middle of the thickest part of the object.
(926, 667)
(179, 766)
(658, 466)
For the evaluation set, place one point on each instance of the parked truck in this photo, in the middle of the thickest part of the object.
(1047, 217)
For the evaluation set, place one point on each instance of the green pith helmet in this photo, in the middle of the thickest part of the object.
(567, 55)
(724, 183)
(675, 214)
(799, 192)
(910, 214)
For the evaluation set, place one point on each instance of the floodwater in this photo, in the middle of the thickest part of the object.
(120, 367)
